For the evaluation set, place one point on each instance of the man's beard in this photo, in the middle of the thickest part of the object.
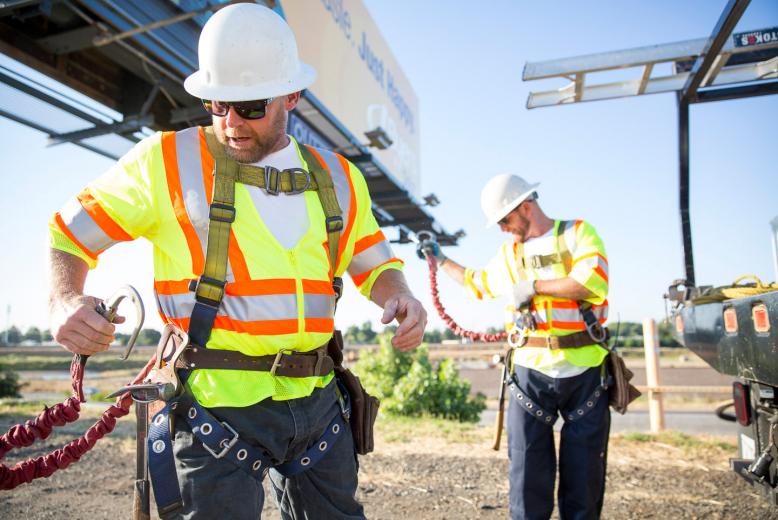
(261, 147)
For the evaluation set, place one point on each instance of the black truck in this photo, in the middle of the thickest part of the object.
(737, 334)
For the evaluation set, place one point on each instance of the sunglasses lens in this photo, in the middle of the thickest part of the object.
(216, 108)
(251, 109)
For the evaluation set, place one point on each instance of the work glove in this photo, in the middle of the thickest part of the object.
(430, 248)
(523, 291)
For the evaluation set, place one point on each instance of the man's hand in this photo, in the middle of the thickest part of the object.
(523, 291)
(79, 328)
(412, 318)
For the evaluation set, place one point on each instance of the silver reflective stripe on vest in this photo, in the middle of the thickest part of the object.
(242, 308)
(319, 306)
(84, 228)
(190, 171)
(370, 258)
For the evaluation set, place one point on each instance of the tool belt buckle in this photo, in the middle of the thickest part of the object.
(277, 361)
(225, 445)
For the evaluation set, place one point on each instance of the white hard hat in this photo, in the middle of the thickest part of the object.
(247, 52)
(502, 194)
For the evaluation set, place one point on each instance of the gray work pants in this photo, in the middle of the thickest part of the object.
(215, 488)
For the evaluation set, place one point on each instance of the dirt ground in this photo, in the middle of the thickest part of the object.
(431, 474)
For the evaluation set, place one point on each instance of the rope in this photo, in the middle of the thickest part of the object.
(25, 434)
(736, 290)
(487, 337)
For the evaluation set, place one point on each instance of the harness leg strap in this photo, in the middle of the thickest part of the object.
(529, 405)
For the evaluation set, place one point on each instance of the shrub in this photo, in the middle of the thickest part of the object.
(9, 383)
(409, 384)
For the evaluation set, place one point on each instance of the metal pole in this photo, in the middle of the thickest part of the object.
(683, 188)
(774, 226)
(656, 412)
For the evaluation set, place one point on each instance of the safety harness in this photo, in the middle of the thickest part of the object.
(219, 438)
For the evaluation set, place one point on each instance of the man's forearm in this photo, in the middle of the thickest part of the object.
(389, 283)
(563, 288)
(454, 270)
(67, 276)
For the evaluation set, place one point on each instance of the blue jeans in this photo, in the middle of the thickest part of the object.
(215, 488)
(582, 451)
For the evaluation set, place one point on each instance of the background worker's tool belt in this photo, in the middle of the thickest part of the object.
(622, 392)
(577, 339)
(364, 407)
(285, 363)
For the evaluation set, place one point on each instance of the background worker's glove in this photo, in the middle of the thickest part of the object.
(523, 291)
(430, 248)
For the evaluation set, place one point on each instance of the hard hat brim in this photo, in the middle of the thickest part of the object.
(511, 206)
(196, 85)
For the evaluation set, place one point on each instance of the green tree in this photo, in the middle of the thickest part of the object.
(433, 336)
(11, 336)
(33, 334)
(351, 335)
(367, 334)
(148, 337)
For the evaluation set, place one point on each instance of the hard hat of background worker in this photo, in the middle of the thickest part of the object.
(247, 52)
(502, 194)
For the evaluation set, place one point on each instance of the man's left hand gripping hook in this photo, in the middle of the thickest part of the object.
(108, 310)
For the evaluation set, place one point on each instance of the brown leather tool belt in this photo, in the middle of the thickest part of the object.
(577, 339)
(286, 363)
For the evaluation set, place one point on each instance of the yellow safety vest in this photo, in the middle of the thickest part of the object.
(580, 254)
(276, 298)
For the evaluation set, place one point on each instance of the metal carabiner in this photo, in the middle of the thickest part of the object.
(424, 234)
(108, 309)
(517, 337)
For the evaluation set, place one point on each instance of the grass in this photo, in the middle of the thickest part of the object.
(16, 362)
(685, 442)
(404, 430)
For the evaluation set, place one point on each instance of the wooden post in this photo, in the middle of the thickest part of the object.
(656, 412)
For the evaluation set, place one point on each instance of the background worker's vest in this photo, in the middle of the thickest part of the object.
(554, 316)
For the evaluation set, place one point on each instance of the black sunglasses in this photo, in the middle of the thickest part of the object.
(255, 109)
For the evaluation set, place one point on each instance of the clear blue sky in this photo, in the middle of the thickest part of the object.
(613, 163)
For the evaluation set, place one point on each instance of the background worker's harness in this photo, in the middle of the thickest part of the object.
(615, 376)
(178, 353)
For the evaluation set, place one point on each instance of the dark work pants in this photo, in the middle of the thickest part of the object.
(582, 451)
(215, 488)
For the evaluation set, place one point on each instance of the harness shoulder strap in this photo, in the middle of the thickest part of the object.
(209, 287)
(561, 244)
(329, 202)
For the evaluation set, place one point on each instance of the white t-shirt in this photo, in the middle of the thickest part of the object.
(286, 216)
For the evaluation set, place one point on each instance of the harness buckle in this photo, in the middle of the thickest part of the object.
(334, 223)
(272, 180)
(202, 284)
(296, 190)
(225, 444)
(217, 213)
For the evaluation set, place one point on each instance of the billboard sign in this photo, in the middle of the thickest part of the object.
(359, 81)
